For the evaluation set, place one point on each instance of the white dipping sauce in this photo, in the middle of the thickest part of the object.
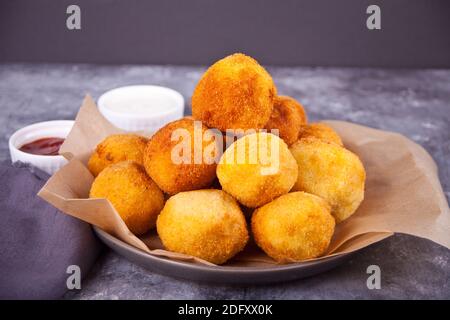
(141, 105)
(136, 108)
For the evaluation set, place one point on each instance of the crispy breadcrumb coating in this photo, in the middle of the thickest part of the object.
(207, 224)
(294, 227)
(136, 198)
(116, 148)
(287, 116)
(255, 183)
(320, 131)
(234, 93)
(174, 177)
(330, 172)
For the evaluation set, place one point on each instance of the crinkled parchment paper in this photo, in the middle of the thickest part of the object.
(403, 192)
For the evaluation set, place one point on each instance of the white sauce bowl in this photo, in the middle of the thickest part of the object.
(47, 129)
(141, 107)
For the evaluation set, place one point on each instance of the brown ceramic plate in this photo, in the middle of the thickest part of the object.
(221, 274)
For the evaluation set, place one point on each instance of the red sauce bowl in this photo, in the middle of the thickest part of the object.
(48, 129)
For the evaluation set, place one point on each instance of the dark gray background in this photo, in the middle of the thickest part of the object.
(415, 33)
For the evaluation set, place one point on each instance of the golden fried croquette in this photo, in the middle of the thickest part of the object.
(294, 227)
(320, 131)
(257, 168)
(234, 93)
(136, 198)
(287, 116)
(116, 148)
(170, 157)
(300, 108)
(207, 224)
(330, 172)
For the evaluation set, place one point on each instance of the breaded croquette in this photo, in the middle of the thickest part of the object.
(287, 116)
(207, 224)
(236, 92)
(294, 227)
(320, 131)
(136, 198)
(116, 148)
(330, 172)
(257, 168)
(175, 169)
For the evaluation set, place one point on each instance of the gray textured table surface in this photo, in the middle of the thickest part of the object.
(415, 103)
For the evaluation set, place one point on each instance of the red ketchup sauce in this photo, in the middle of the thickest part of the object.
(44, 147)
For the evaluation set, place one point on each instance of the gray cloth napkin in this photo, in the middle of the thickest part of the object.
(37, 242)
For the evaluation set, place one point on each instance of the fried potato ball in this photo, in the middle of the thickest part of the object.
(330, 172)
(116, 148)
(320, 131)
(207, 224)
(294, 227)
(287, 116)
(178, 159)
(234, 93)
(257, 168)
(136, 198)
